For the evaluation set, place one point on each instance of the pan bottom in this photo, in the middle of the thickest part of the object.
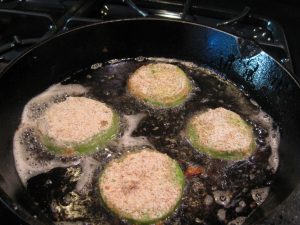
(216, 192)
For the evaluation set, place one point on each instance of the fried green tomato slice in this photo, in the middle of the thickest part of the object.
(160, 85)
(77, 126)
(143, 187)
(221, 134)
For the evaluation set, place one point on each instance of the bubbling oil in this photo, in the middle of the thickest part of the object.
(225, 192)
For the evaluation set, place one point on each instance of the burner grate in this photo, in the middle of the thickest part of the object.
(63, 15)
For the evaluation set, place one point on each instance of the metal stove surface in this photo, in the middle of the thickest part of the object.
(272, 24)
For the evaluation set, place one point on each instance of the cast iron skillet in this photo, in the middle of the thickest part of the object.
(243, 62)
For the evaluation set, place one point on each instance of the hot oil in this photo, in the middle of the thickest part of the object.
(225, 192)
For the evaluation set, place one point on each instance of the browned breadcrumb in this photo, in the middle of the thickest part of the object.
(159, 82)
(75, 120)
(140, 184)
(222, 130)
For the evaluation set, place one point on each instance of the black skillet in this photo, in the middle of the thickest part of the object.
(241, 60)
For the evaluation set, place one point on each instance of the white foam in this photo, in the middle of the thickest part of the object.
(88, 165)
(237, 221)
(259, 195)
(46, 97)
(28, 166)
(221, 214)
(96, 66)
(273, 138)
(127, 140)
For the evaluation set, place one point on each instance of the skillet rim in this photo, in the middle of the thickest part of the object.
(14, 61)
(22, 213)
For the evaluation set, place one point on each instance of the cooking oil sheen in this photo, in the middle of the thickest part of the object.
(66, 188)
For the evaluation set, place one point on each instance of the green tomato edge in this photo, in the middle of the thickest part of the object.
(179, 178)
(89, 146)
(238, 155)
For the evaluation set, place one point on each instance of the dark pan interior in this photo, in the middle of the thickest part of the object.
(241, 60)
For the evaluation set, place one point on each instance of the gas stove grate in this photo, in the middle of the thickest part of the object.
(63, 15)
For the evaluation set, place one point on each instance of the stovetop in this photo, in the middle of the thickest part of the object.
(271, 24)
(26, 23)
